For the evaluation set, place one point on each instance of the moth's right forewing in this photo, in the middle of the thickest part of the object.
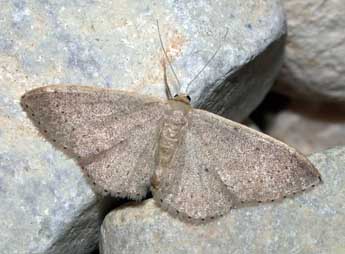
(254, 166)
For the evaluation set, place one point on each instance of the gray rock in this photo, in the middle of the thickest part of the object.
(46, 205)
(313, 222)
(314, 66)
(117, 45)
(309, 129)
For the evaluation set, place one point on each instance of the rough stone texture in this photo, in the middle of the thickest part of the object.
(115, 44)
(46, 206)
(310, 128)
(314, 66)
(313, 222)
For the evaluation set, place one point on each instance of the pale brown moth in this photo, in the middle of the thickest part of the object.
(198, 165)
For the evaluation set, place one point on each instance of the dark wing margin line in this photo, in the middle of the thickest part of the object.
(86, 89)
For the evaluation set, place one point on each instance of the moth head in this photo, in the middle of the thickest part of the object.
(182, 98)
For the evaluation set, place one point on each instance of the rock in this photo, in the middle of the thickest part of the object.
(251, 124)
(46, 205)
(309, 129)
(117, 45)
(314, 66)
(313, 222)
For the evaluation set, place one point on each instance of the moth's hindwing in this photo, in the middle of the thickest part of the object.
(221, 164)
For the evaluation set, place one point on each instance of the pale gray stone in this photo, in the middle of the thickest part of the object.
(314, 66)
(309, 129)
(46, 205)
(313, 222)
(115, 44)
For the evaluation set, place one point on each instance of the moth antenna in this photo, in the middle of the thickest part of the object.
(167, 88)
(209, 60)
(166, 55)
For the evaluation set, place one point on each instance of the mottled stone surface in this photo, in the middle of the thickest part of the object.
(313, 222)
(315, 56)
(115, 44)
(46, 205)
(309, 128)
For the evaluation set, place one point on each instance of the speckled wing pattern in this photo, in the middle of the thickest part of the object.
(190, 189)
(217, 164)
(221, 164)
(110, 133)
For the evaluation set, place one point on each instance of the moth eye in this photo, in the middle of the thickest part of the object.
(188, 97)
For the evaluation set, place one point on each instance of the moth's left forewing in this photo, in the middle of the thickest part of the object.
(111, 133)
(83, 121)
(253, 166)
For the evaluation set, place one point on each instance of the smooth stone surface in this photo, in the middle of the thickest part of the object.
(46, 205)
(312, 128)
(313, 222)
(314, 66)
(116, 44)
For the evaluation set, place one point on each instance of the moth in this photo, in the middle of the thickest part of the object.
(198, 165)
